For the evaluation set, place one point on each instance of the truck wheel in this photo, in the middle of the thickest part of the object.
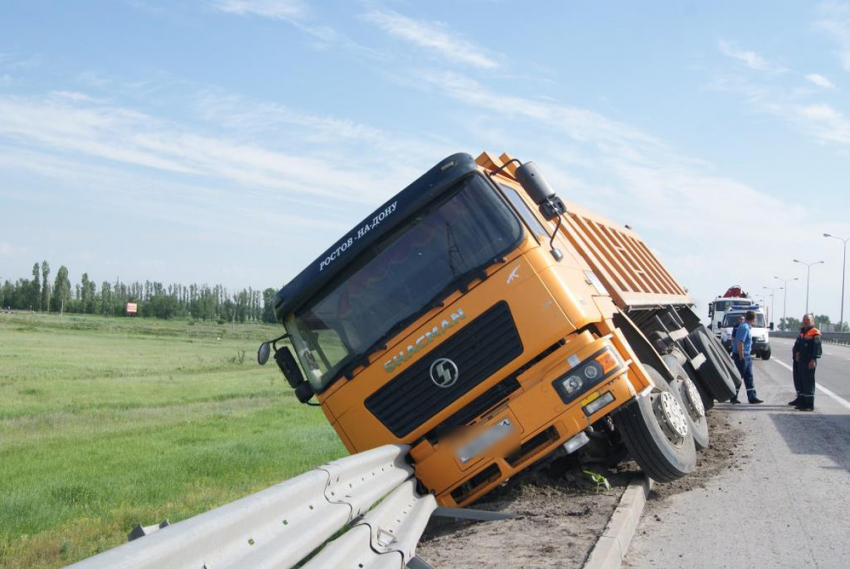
(707, 399)
(725, 356)
(680, 357)
(713, 371)
(729, 364)
(765, 355)
(655, 430)
(691, 401)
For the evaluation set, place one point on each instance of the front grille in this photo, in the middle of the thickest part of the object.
(479, 349)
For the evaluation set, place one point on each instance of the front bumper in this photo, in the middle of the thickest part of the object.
(757, 345)
(541, 422)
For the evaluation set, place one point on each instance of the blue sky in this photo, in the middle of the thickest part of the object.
(233, 140)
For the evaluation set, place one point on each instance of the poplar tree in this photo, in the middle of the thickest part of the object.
(35, 301)
(45, 287)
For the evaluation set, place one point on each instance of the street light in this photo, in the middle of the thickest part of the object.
(843, 267)
(785, 295)
(772, 299)
(808, 275)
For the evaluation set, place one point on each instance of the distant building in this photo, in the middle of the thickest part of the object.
(132, 309)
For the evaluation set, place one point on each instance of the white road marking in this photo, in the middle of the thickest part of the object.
(838, 398)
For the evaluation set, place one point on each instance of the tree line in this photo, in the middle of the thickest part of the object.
(153, 299)
(821, 321)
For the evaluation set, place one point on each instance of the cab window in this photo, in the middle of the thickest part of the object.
(524, 211)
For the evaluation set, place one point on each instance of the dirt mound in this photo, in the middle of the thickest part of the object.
(723, 453)
(561, 515)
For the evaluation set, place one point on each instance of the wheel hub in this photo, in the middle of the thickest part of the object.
(693, 397)
(673, 414)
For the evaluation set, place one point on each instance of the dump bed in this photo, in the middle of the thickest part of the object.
(629, 270)
(632, 274)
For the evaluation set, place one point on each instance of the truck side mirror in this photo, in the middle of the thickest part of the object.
(771, 325)
(539, 190)
(263, 353)
(286, 362)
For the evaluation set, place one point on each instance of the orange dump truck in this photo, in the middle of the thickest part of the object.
(491, 325)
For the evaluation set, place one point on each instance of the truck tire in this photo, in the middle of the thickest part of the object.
(765, 355)
(725, 356)
(707, 399)
(655, 430)
(691, 400)
(726, 359)
(713, 371)
(682, 359)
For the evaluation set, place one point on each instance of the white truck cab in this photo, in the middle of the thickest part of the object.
(760, 331)
(718, 308)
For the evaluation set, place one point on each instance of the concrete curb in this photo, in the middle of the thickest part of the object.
(613, 544)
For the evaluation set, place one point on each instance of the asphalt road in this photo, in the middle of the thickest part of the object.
(833, 369)
(786, 501)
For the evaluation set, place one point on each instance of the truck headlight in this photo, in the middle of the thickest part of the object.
(572, 384)
(586, 374)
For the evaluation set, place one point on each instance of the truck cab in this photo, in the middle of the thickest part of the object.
(760, 331)
(465, 318)
(718, 308)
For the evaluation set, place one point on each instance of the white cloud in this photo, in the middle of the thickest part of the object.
(73, 96)
(675, 202)
(580, 124)
(433, 37)
(296, 13)
(822, 122)
(280, 9)
(820, 81)
(749, 58)
(7, 250)
(836, 22)
(272, 119)
(826, 123)
(126, 136)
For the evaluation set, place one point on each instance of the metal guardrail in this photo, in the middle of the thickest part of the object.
(831, 337)
(281, 526)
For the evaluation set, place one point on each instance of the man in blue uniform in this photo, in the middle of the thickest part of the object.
(806, 351)
(743, 346)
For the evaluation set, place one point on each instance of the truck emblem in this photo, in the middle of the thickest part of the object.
(404, 356)
(444, 372)
(514, 274)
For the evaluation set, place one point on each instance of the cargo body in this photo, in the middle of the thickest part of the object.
(474, 319)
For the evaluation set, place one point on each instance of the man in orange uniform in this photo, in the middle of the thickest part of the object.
(807, 349)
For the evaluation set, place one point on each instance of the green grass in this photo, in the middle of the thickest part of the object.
(108, 422)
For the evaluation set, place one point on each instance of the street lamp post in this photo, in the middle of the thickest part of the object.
(772, 300)
(785, 295)
(808, 275)
(843, 268)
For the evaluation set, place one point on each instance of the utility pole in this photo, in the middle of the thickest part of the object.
(808, 276)
(843, 271)
(772, 299)
(785, 296)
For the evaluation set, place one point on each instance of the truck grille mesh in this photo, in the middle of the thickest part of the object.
(480, 349)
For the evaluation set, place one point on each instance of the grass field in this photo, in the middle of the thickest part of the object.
(107, 422)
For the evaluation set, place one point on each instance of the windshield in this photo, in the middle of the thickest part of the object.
(430, 255)
(724, 305)
(731, 319)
